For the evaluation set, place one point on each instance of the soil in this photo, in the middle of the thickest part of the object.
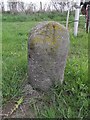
(25, 109)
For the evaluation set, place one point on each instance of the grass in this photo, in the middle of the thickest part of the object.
(14, 56)
(0, 61)
(36, 17)
(69, 100)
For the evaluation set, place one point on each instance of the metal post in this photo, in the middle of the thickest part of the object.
(77, 11)
(67, 18)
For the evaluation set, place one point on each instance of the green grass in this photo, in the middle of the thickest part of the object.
(0, 60)
(36, 17)
(14, 54)
(69, 100)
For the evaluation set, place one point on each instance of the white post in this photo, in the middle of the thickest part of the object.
(76, 17)
(67, 19)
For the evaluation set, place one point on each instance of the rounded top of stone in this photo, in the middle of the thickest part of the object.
(53, 24)
(48, 34)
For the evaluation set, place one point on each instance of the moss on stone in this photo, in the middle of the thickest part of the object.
(51, 40)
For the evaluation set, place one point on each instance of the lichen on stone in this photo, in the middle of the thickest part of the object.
(48, 43)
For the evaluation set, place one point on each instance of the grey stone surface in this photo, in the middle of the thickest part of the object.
(47, 52)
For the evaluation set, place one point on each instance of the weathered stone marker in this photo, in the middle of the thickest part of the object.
(47, 52)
